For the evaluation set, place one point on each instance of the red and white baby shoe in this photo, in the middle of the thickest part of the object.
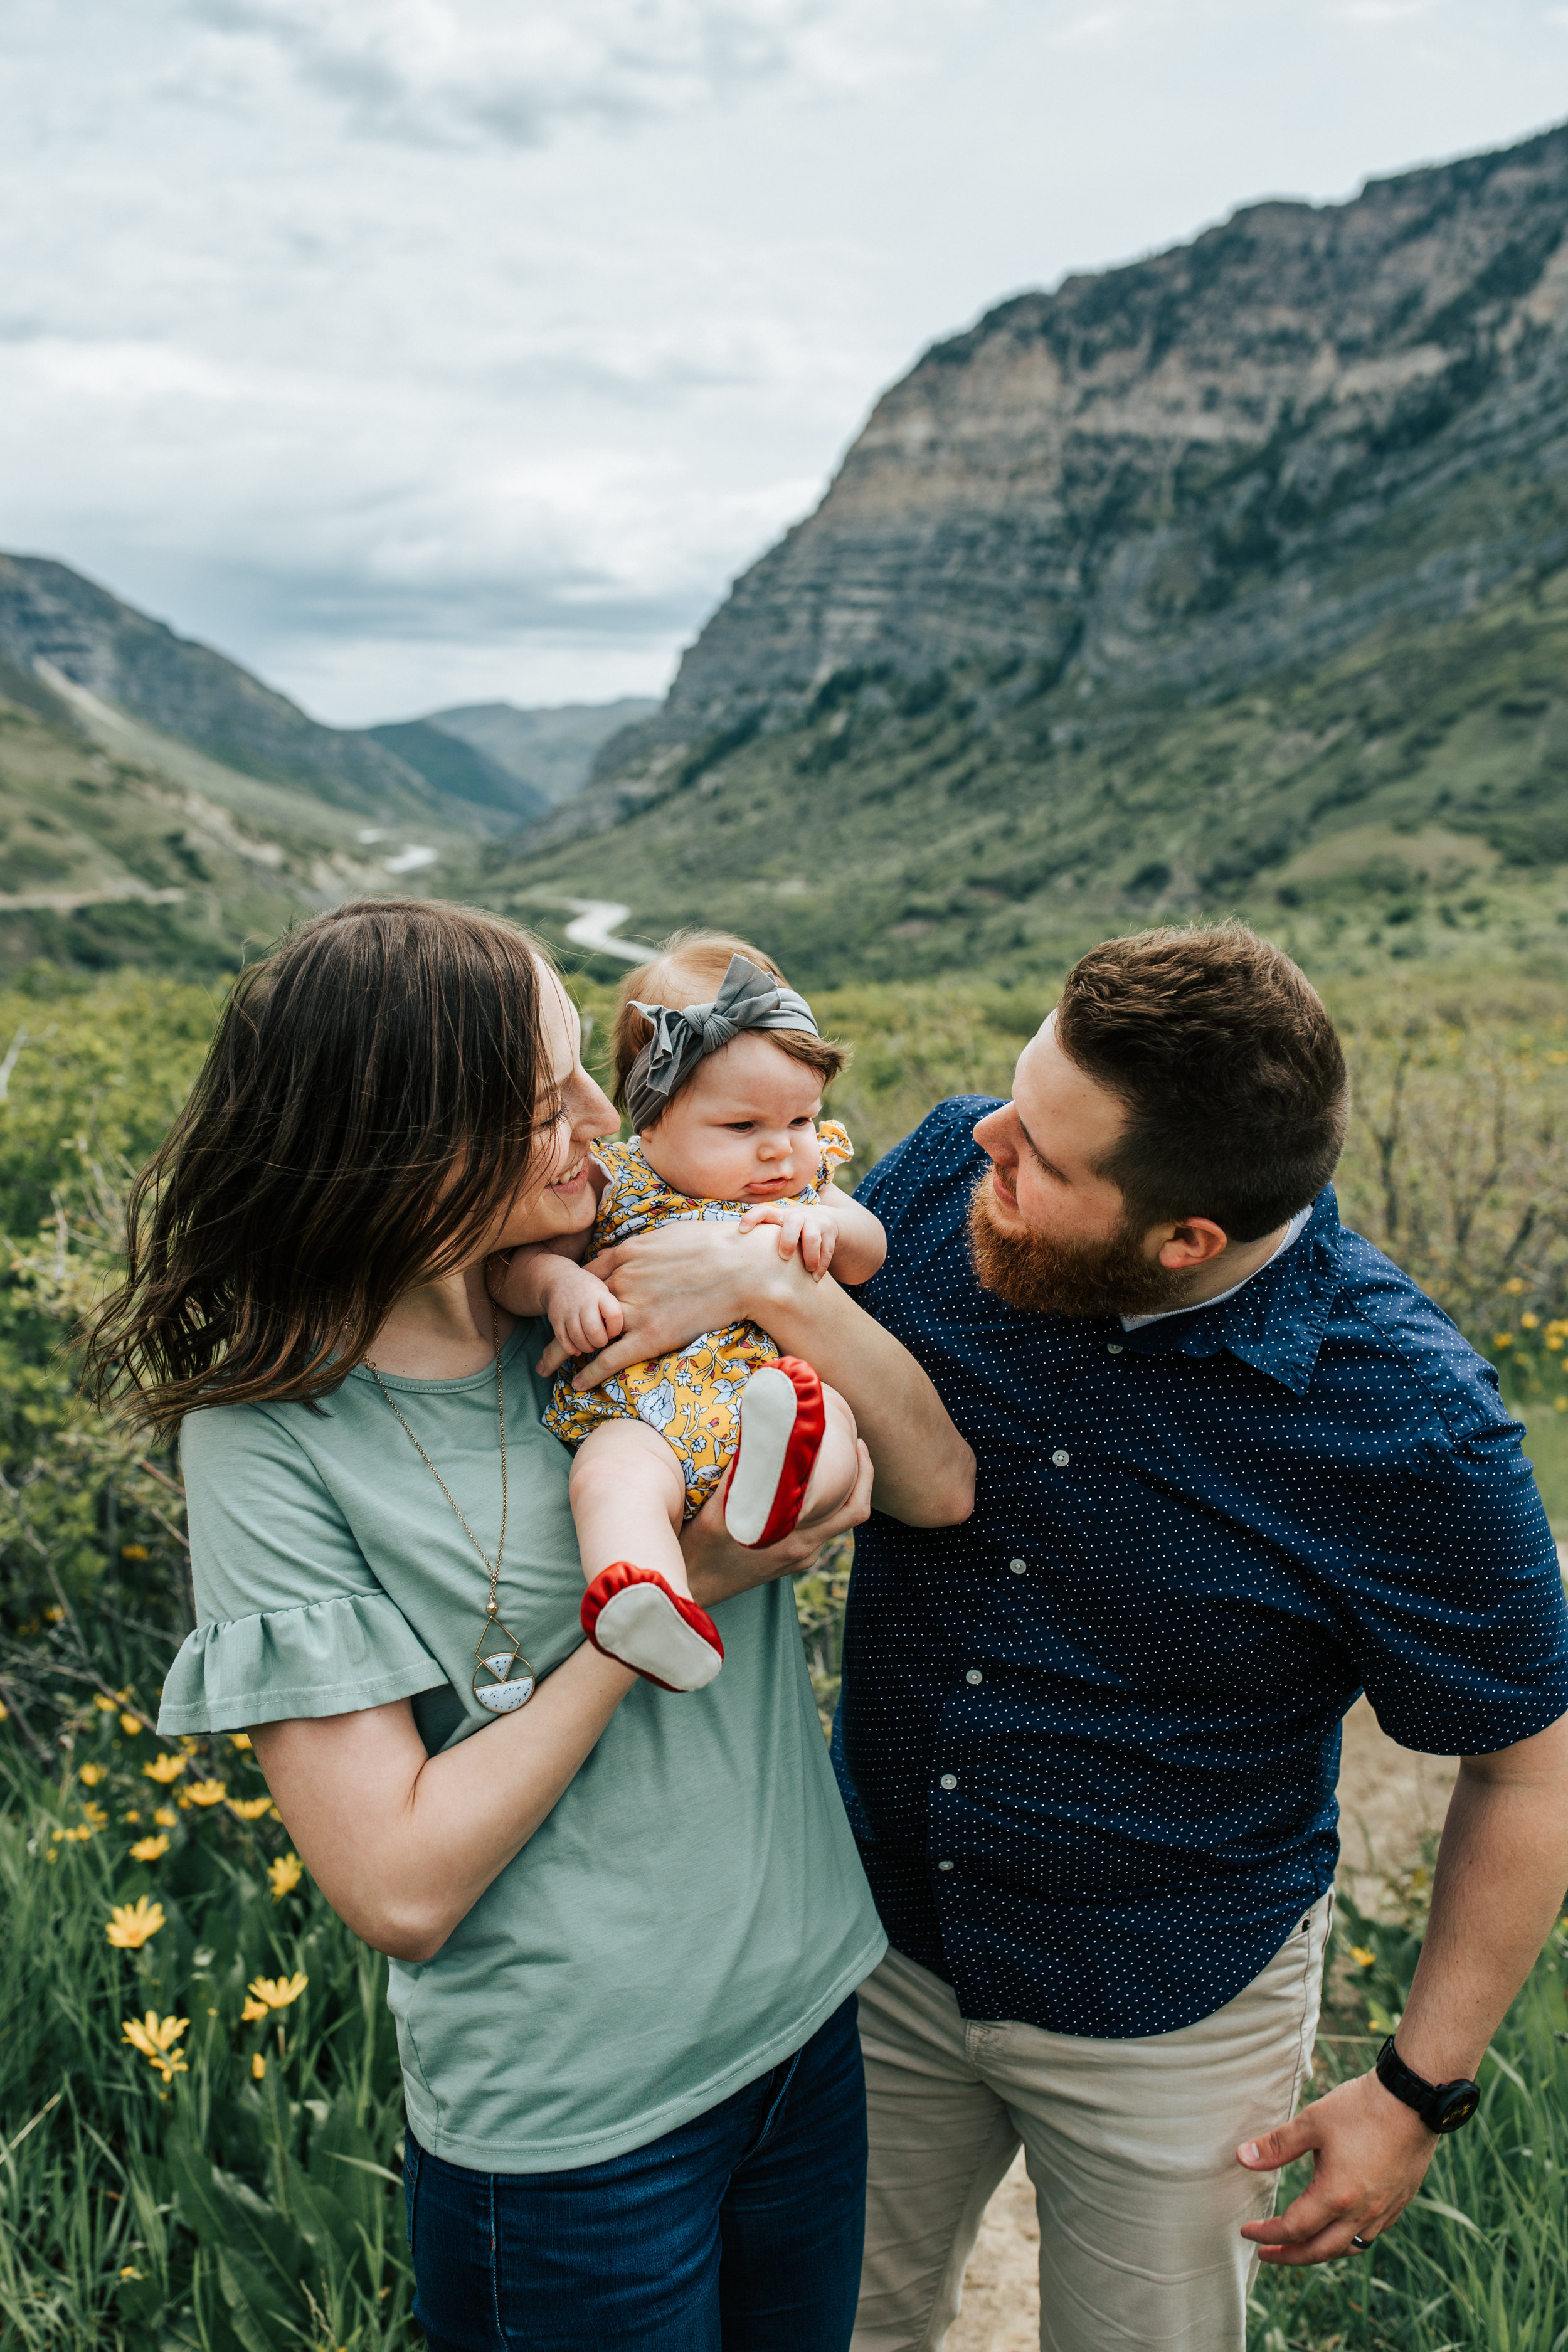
(632, 1614)
(781, 1423)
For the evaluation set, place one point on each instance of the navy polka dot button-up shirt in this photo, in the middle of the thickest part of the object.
(1089, 1741)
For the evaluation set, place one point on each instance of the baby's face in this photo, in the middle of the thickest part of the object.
(744, 1130)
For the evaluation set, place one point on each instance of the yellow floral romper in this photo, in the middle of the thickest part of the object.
(690, 1397)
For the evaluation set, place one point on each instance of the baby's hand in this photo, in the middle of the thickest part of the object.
(812, 1230)
(584, 1313)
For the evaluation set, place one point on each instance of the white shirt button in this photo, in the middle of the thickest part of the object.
(974, 1676)
(1019, 1566)
(1061, 1458)
(949, 1779)
(1113, 1346)
(944, 1866)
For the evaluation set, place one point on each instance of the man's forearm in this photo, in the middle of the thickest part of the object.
(1502, 1871)
(925, 1472)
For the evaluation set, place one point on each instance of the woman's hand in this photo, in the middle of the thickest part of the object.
(717, 1567)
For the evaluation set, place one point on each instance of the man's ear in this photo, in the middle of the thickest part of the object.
(1193, 1242)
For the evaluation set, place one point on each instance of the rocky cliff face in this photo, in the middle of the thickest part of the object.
(1242, 452)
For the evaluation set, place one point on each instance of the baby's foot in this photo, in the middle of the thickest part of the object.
(632, 1614)
(781, 1423)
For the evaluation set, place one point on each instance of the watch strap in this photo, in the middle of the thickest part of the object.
(1442, 2107)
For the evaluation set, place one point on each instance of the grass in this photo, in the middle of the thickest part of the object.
(1479, 2262)
(235, 2189)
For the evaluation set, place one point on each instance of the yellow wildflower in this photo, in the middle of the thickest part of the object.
(92, 1774)
(207, 1792)
(133, 1551)
(250, 1809)
(166, 1816)
(259, 2067)
(1515, 1286)
(96, 1815)
(189, 1742)
(285, 1875)
(276, 1992)
(130, 2271)
(1555, 1340)
(163, 1769)
(104, 1706)
(1361, 1957)
(131, 1814)
(240, 1740)
(149, 1849)
(77, 1837)
(1560, 1405)
(252, 2011)
(155, 2038)
(1502, 1339)
(54, 1614)
(130, 1725)
(1530, 1322)
(130, 1924)
(4, 1711)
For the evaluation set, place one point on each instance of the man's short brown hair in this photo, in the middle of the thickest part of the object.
(1229, 1068)
(687, 970)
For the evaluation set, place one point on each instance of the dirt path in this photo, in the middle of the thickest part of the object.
(1389, 1800)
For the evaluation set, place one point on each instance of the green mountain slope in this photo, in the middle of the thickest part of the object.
(1409, 794)
(551, 750)
(1236, 577)
(120, 845)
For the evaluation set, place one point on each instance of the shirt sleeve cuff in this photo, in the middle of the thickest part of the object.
(333, 1657)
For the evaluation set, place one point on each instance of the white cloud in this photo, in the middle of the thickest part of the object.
(431, 70)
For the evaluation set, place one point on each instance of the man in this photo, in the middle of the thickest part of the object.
(1232, 1468)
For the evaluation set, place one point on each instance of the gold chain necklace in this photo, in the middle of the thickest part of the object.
(502, 1695)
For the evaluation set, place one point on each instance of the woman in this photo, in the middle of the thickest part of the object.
(626, 1928)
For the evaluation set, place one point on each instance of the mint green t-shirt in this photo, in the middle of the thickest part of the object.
(692, 1911)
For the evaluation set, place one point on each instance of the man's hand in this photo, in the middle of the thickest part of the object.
(672, 1285)
(717, 1567)
(1371, 2153)
(810, 1227)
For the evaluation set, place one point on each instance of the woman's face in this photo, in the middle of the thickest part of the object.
(556, 1196)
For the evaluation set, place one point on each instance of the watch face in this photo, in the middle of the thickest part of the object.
(1460, 2101)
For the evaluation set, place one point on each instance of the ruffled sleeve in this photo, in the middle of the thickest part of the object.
(836, 1147)
(290, 1617)
(329, 1657)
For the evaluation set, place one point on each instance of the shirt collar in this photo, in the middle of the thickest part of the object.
(1274, 1320)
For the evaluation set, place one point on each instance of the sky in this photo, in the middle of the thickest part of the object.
(425, 351)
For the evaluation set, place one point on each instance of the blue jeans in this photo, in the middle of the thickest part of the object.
(741, 2231)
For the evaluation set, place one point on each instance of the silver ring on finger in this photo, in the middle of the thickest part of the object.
(1361, 2245)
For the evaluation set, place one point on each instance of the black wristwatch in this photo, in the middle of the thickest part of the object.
(1442, 2107)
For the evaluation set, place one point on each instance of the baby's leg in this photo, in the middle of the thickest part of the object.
(838, 1464)
(629, 1500)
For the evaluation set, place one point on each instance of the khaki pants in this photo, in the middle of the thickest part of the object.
(1130, 2146)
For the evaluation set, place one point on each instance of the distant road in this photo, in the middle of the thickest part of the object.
(65, 902)
(596, 920)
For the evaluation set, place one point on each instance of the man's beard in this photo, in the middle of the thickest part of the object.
(1050, 1277)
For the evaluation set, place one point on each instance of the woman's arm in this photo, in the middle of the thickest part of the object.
(402, 1844)
(689, 1277)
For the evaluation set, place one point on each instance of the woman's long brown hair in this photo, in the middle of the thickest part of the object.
(365, 1113)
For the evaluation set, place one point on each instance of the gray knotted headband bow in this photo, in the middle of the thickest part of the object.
(748, 998)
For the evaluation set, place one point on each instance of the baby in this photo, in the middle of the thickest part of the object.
(719, 1068)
